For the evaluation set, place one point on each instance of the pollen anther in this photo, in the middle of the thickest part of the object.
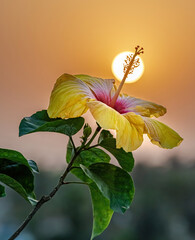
(130, 64)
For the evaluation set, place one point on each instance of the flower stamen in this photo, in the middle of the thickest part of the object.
(130, 64)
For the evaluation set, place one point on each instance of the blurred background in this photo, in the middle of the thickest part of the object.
(163, 208)
(42, 39)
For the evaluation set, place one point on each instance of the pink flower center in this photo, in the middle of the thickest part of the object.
(121, 104)
(102, 97)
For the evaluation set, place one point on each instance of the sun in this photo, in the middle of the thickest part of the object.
(117, 68)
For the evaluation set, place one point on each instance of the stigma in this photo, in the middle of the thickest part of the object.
(129, 65)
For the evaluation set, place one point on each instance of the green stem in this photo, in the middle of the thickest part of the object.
(94, 135)
(73, 144)
(65, 183)
(96, 145)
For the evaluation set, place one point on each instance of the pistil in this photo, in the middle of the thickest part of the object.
(128, 69)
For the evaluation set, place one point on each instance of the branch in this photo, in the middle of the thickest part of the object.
(61, 182)
(45, 199)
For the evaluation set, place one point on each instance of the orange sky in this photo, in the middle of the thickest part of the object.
(41, 39)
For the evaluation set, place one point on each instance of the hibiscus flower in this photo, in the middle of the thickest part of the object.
(131, 117)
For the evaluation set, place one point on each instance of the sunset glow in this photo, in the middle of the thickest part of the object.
(117, 68)
(54, 37)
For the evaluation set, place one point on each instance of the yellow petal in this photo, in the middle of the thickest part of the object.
(69, 97)
(160, 134)
(96, 83)
(127, 135)
(137, 121)
(101, 88)
(142, 107)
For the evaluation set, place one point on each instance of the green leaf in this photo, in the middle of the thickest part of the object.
(33, 166)
(2, 191)
(102, 213)
(103, 135)
(86, 132)
(13, 156)
(32, 200)
(86, 158)
(40, 122)
(114, 183)
(14, 185)
(78, 172)
(19, 172)
(93, 155)
(125, 159)
(16, 172)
